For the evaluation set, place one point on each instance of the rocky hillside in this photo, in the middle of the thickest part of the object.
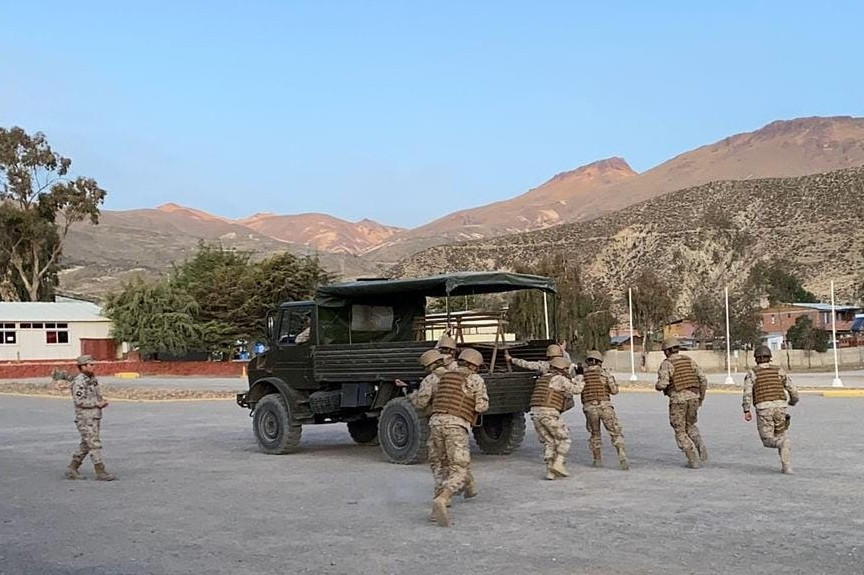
(556, 201)
(322, 232)
(97, 259)
(708, 235)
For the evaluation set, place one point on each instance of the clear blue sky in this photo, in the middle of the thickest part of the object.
(403, 111)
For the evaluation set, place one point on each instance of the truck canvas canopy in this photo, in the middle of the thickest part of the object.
(444, 285)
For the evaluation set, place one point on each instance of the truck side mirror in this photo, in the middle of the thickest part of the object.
(270, 325)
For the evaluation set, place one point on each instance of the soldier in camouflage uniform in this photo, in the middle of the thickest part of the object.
(447, 346)
(682, 380)
(597, 406)
(553, 394)
(542, 366)
(88, 418)
(456, 401)
(766, 386)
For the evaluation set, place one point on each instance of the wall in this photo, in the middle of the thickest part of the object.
(796, 359)
(109, 368)
(31, 343)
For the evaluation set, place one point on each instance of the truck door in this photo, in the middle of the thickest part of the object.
(295, 339)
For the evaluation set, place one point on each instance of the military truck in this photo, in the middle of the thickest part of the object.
(336, 359)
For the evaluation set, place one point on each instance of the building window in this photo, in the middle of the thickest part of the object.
(56, 333)
(7, 334)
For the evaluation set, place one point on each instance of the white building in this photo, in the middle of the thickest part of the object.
(53, 330)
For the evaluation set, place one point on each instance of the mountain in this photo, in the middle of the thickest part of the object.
(784, 148)
(556, 201)
(97, 259)
(705, 236)
(321, 231)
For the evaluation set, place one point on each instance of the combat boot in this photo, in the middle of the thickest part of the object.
(558, 467)
(550, 475)
(703, 451)
(101, 474)
(622, 458)
(470, 488)
(693, 459)
(598, 457)
(787, 469)
(439, 508)
(72, 470)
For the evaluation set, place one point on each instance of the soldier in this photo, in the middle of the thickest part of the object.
(553, 394)
(682, 380)
(553, 351)
(456, 401)
(597, 406)
(767, 386)
(447, 346)
(88, 418)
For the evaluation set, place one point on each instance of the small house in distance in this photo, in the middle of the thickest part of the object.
(61, 330)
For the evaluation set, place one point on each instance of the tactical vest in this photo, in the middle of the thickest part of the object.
(683, 374)
(767, 385)
(545, 396)
(450, 398)
(595, 386)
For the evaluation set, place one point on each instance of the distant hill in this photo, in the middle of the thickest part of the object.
(708, 235)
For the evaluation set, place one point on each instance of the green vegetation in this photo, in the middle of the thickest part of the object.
(584, 316)
(708, 311)
(804, 336)
(778, 284)
(210, 302)
(653, 306)
(39, 202)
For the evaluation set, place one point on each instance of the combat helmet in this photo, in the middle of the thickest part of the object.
(670, 342)
(554, 350)
(446, 342)
(560, 363)
(84, 360)
(595, 355)
(430, 356)
(471, 356)
(763, 351)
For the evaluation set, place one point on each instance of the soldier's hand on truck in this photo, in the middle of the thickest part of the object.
(507, 356)
(400, 383)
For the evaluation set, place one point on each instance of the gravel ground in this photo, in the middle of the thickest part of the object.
(195, 496)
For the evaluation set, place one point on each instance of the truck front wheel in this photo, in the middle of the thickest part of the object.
(500, 434)
(403, 432)
(274, 427)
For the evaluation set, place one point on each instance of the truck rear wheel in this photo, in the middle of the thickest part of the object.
(500, 434)
(403, 432)
(274, 427)
(364, 431)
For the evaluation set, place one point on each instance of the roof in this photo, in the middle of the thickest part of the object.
(619, 339)
(455, 284)
(50, 311)
(826, 306)
(858, 324)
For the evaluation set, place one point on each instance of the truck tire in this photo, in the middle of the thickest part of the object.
(403, 432)
(364, 431)
(274, 428)
(500, 434)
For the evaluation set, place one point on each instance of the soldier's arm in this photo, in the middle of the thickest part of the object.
(80, 396)
(747, 401)
(703, 381)
(478, 388)
(611, 384)
(532, 365)
(423, 396)
(663, 375)
(790, 387)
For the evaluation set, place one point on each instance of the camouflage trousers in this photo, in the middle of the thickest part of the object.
(771, 422)
(552, 433)
(449, 457)
(88, 426)
(682, 417)
(605, 414)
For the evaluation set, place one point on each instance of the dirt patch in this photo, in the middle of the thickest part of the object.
(118, 392)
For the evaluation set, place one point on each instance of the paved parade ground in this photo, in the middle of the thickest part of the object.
(195, 496)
